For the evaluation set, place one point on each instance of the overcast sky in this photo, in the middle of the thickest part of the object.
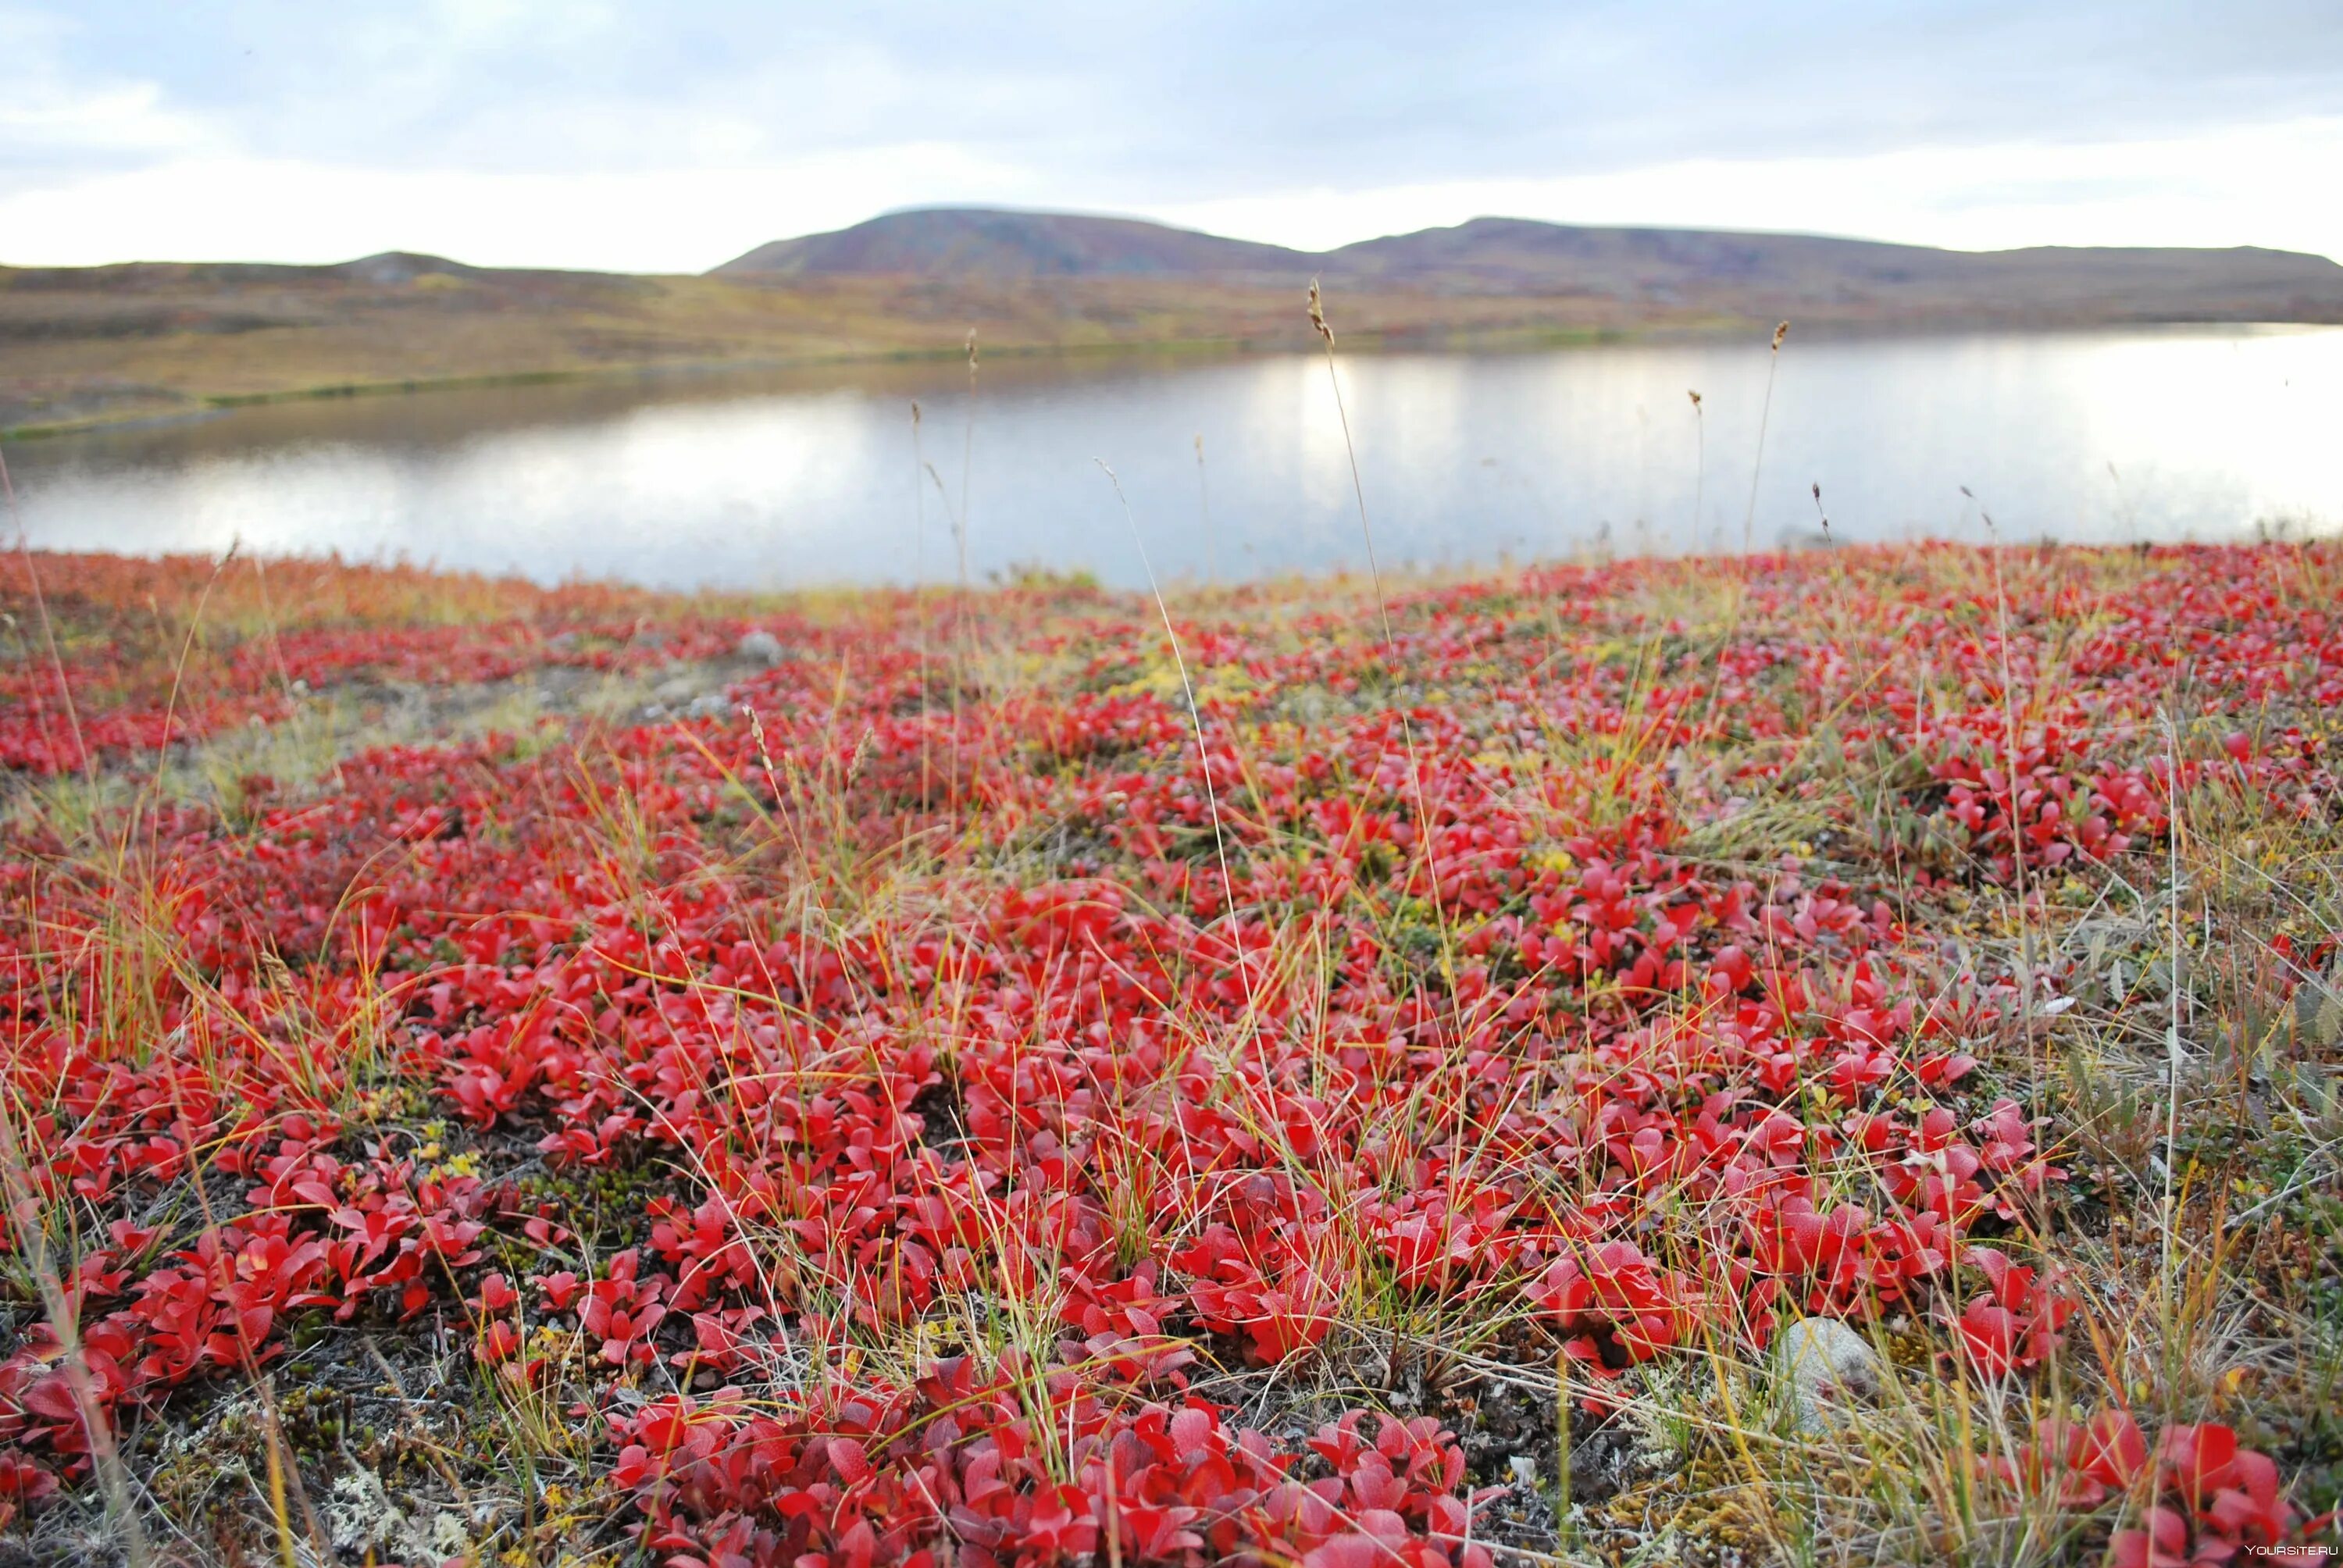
(669, 134)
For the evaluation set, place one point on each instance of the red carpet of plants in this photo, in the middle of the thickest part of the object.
(962, 1103)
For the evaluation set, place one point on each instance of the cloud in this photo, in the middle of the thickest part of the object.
(1263, 120)
(2256, 184)
(667, 220)
(54, 123)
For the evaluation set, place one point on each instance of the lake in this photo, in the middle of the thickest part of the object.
(818, 476)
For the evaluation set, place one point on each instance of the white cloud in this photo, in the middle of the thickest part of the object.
(675, 221)
(2265, 185)
(48, 116)
(108, 166)
(2258, 185)
(129, 118)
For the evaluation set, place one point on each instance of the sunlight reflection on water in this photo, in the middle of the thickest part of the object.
(810, 478)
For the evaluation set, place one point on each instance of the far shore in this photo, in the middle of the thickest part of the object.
(168, 406)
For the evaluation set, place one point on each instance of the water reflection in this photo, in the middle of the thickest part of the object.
(813, 475)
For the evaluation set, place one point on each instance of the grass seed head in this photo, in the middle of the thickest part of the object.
(1318, 313)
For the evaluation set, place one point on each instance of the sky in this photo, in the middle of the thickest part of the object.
(668, 136)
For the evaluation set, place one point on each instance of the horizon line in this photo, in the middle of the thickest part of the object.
(1011, 209)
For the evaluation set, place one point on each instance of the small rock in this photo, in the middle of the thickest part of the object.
(676, 688)
(706, 705)
(1830, 1366)
(757, 647)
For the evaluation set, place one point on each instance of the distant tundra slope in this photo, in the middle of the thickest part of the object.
(1655, 271)
(80, 344)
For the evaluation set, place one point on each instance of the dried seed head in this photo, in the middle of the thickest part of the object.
(1780, 333)
(972, 351)
(915, 413)
(1318, 314)
(1696, 399)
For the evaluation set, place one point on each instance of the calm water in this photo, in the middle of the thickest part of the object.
(810, 479)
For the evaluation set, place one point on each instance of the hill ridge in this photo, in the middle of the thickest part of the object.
(1734, 269)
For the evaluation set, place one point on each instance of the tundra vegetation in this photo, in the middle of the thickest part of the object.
(1319, 1075)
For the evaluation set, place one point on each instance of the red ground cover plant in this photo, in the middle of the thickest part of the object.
(992, 1059)
(2207, 1499)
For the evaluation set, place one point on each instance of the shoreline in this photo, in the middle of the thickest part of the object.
(207, 406)
(1528, 338)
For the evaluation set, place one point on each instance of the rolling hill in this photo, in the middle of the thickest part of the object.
(977, 242)
(1733, 274)
(91, 345)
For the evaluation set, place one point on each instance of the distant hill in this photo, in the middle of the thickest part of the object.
(145, 340)
(978, 242)
(1715, 272)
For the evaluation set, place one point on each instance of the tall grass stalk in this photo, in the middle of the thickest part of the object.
(967, 461)
(1765, 416)
(1351, 451)
(920, 591)
(962, 636)
(1204, 515)
(179, 669)
(2175, 1053)
(1196, 722)
(2013, 748)
(1441, 924)
(1699, 465)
